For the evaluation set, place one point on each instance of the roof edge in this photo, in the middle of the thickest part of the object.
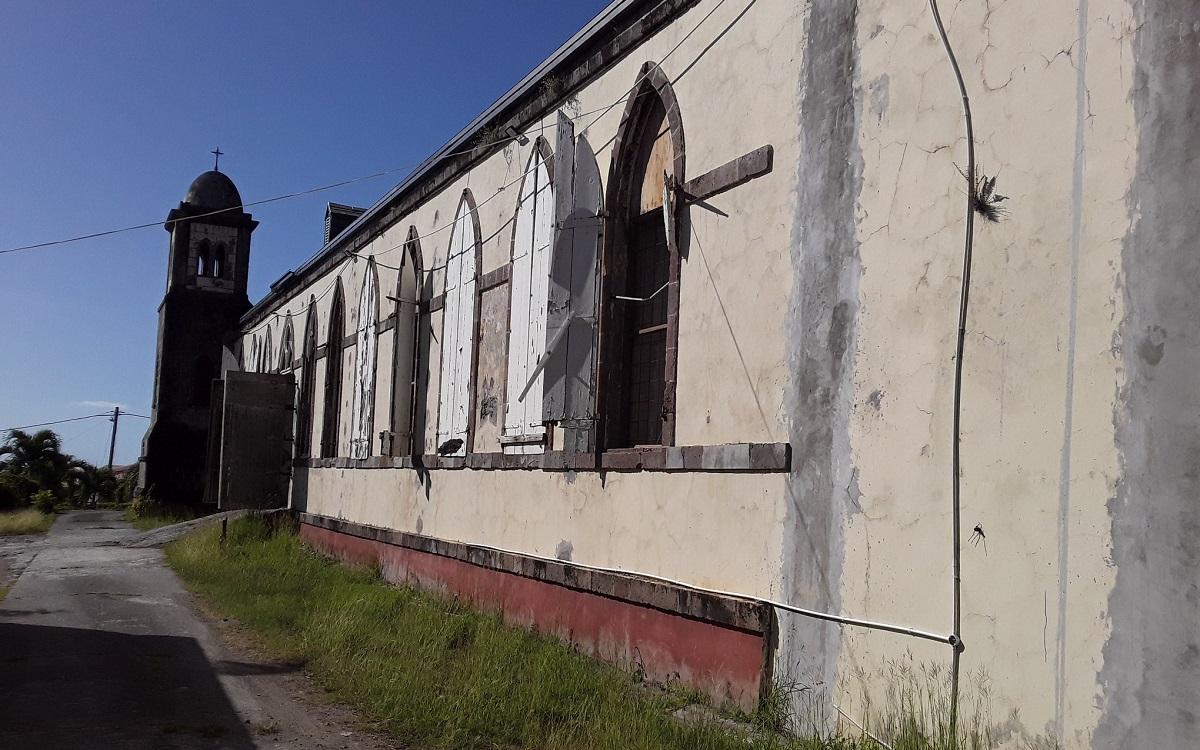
(603, 26)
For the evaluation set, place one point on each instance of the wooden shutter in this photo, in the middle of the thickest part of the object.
(362, 409)
(571, 369)
(466, 329)
(533, 235)
(458, 322)
(543, 239)
(449, 340)
(518, 323)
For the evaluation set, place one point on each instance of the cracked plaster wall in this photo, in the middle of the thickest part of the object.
(1079, 298)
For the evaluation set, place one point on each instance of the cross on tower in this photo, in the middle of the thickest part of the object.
(217, 152)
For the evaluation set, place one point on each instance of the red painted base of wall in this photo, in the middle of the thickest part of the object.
(725, 663)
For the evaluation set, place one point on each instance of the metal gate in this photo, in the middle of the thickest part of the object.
(257, 413)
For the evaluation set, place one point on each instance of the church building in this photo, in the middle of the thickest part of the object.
(662, 354)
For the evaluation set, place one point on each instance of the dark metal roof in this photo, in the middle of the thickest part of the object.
(213, 190)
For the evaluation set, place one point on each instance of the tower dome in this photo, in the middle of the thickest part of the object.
(213, 190)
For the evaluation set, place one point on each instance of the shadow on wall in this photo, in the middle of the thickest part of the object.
(91, 688)
(299, 490)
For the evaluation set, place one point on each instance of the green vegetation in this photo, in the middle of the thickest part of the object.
(29, 521)
(35, 471)
(147, 512)
(433, 672)
(156, 520)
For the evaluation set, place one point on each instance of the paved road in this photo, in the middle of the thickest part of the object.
(100, 647)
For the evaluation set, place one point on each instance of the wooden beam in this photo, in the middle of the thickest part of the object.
(729, 175)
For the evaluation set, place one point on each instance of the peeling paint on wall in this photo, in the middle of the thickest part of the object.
(1149, 682)
(820, 330)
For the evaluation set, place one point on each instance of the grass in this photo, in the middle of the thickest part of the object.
(154, 521)
(432, 672)
(27, 521)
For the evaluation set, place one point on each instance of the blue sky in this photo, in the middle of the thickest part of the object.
(108, 111)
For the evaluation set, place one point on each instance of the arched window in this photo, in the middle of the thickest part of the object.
(407, 344)
(458, 330)
(252, 365)
(286, 346)
(533, 234)
(218, 261)
(362, 416)
(203, 258)
(308, 376)
(333, 374)
(641, 267)
(268, 355)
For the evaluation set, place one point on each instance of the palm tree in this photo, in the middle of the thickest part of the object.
(34, 461)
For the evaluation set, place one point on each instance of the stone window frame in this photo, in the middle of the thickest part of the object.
(370, 276)
(306, 407)
(332, 397)
(466, 200)
(652, 81)
(266, 355)
(287, 346)
(412, 254)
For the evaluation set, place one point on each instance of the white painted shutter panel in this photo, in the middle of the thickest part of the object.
(571, 371)
(449, 340)
(518, 321)
(364, 368)
(466, 324)
(543, 238)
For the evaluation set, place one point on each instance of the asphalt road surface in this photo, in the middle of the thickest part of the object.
(101, 647)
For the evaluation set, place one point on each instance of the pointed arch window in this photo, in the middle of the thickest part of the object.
(406, 347)
(362, 417)
(642, 266)
(308, 376)
(333, 375)
(533, 234)
(268, 355)
(286, 346)
(458, 331)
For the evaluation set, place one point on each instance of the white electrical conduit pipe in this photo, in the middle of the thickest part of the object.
(955, 461)
(829, 617)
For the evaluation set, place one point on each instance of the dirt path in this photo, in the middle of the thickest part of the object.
(101, 647)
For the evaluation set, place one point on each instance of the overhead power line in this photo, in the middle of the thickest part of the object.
(107, 414)
(343, 183)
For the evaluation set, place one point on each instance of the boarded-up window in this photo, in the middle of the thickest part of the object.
(458, 330)
(366, 338)
(532, 237)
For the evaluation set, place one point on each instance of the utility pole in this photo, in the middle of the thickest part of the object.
(112, 442)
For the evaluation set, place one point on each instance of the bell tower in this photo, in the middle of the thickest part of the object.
(205, 297)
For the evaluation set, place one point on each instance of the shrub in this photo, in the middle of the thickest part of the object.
(44, 501)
